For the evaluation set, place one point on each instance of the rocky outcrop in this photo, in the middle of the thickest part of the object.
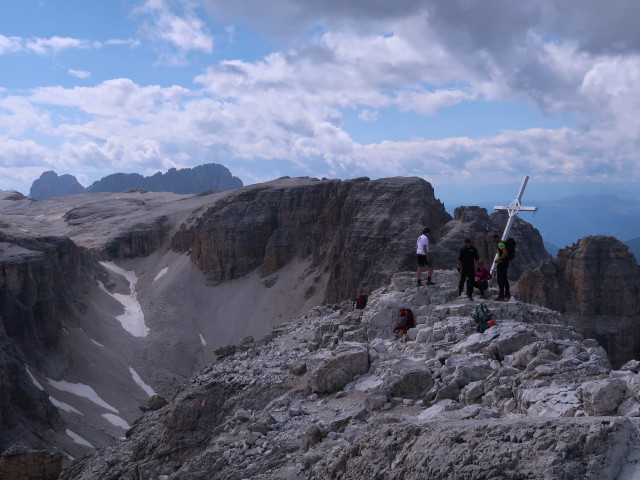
(355, 232)
(19, 463)
(446, 403)
(210, 176)
(596, 284)
(51, 185)
(475, 223)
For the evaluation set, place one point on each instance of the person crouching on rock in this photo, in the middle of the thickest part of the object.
(422, 257)
(482, 276)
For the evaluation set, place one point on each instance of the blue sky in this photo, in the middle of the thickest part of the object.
(471, 96)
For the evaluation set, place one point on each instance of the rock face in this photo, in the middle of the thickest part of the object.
(596, 284)
(40, 281)
(210, 176)
(51, 185)
(353, 232)
(476, 224)
(529, 398)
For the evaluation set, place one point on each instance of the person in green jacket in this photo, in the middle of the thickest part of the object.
(502, 261)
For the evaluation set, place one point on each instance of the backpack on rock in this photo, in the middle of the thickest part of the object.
(360, 302)
(483, 318)
(404, 321)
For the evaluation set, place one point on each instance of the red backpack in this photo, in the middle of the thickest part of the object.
(360, 302)
(404, 321)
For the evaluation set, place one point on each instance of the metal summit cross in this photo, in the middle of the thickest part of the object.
(513, 209)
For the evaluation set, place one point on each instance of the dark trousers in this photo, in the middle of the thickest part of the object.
(466, 274)
(503, 281)
(482, 286)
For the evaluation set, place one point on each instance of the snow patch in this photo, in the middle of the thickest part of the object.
(140, 382)
(98, 344)
(202, 340)
(78, 439)
(64, 406)
(33, 379)
(81, 390)
(116, 420)
(161, 273)
(132, 319)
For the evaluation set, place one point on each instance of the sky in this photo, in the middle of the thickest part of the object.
(469, 95)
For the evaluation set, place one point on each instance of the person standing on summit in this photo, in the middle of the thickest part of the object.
(502, 261)
(468, 256)
(422, 257)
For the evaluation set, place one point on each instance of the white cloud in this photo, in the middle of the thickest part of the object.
(43, 46)
(183, 30)
(78, 73)
(10, 44)
(54, 45)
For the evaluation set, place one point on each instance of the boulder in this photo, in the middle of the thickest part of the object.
(335, 369)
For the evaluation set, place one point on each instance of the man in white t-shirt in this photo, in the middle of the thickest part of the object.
(423, 258)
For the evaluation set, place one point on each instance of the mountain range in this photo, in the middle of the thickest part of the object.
(210, 176)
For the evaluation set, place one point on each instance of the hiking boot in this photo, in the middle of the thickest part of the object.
(429, 282)
(419, 283)
(499, 299)
(507, 298)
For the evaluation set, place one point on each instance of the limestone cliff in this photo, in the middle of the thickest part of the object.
(596, 283)
(355, 232)
(41, 280)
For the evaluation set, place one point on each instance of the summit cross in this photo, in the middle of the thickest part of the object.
(513, 209)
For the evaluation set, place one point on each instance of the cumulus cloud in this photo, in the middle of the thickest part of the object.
(176, 24)
(286, 109)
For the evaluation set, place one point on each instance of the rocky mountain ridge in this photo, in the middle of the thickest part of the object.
(210, 176)
(331, 395)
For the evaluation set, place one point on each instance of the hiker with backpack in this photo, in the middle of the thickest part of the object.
(468, 255)
(502, 261)
(482, 277)
(422, 257)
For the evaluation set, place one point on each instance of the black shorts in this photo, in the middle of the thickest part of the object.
(422, 260)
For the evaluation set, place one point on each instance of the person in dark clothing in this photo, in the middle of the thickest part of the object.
(502, 261)
(468, 255)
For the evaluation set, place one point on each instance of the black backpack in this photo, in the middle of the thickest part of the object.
(482, 317)
(510, 245)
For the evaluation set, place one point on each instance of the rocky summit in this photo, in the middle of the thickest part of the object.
(332, 394)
